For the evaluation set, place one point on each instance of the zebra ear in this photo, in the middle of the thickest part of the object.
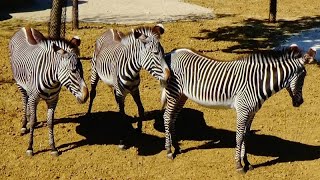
(76, 41)
(159, 28)
(140, 36)
(309, 57)
(294, 48)
(57, 49)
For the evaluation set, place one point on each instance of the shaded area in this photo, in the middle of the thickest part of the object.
(106, 128)
(255, 34)
(191, 126)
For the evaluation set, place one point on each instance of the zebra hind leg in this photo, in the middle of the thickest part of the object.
(26, 113)
(32, 108)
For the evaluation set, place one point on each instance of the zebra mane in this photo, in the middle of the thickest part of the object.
(275, 54)
(60, 40)
(278, 53)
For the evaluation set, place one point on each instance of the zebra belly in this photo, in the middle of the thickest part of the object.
(107, 80)
(227, 104)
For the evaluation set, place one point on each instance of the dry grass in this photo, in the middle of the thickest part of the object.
(285, 146)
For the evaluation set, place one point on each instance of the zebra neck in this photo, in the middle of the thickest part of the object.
(130, 67)
(47, 77)
(272, 79)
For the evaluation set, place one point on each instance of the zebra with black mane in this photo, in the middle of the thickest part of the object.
(242, 85)
(118, 59)
(40, 68)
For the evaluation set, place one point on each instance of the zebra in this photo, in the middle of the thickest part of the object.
(242, 85)
(40, 67)
(117, 61)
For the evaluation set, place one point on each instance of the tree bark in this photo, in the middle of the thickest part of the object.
(273, 11)
(75, 15)
(55, 19)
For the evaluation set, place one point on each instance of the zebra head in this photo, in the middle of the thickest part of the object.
(152, 51)
(297, 79)
(70, 73)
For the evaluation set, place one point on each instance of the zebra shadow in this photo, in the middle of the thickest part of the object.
(191, 125)
(106, 128)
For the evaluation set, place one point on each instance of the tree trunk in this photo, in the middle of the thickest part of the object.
(55, 19)
(75, 15)
(273, 11)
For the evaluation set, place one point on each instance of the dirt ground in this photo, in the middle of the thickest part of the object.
(286, 143)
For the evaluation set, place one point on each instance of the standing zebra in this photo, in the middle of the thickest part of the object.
(242, 85)
(40, 67)
(117, 61)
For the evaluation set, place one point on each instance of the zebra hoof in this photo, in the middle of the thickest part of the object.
(122, 147)
(170, 156)
(29, 152)
(54, 153)
(23, 131)
(241, 171)
(249, 167)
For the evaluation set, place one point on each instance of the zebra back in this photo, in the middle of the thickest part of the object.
(213, 82)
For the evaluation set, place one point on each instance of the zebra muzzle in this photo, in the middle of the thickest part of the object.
(84, 95)
(166, 74)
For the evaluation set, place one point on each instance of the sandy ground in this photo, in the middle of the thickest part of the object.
(285, 145)
(122, 11)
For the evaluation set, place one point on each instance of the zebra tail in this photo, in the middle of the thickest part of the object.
(163, 94)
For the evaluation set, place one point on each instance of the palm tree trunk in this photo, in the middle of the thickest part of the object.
(75, 15)
(273, 11)
(55, 19)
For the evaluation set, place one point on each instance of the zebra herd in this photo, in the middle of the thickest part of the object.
(41, 66)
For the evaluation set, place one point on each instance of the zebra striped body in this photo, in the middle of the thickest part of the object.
(117, 61)
(40, 68)
(242, 85)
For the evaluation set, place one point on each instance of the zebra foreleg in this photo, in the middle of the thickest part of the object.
(94, 81)
(123, 136)
(137, 100)
(247, 165)
(244, 121)
(50, 118)
(173, 108)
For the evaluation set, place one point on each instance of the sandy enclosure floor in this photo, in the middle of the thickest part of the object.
(286, 143)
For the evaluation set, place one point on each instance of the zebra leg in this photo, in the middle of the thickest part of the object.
(173, 107)
(247, 165)
(137, 100)
(175, 142)
(242, 118)
(50, 117)
(25, 111)
(32, 108)
(94, 81)
(120, 102)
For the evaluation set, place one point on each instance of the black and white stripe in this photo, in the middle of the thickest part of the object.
(40, 69)
(118, 59)
(242, 85)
